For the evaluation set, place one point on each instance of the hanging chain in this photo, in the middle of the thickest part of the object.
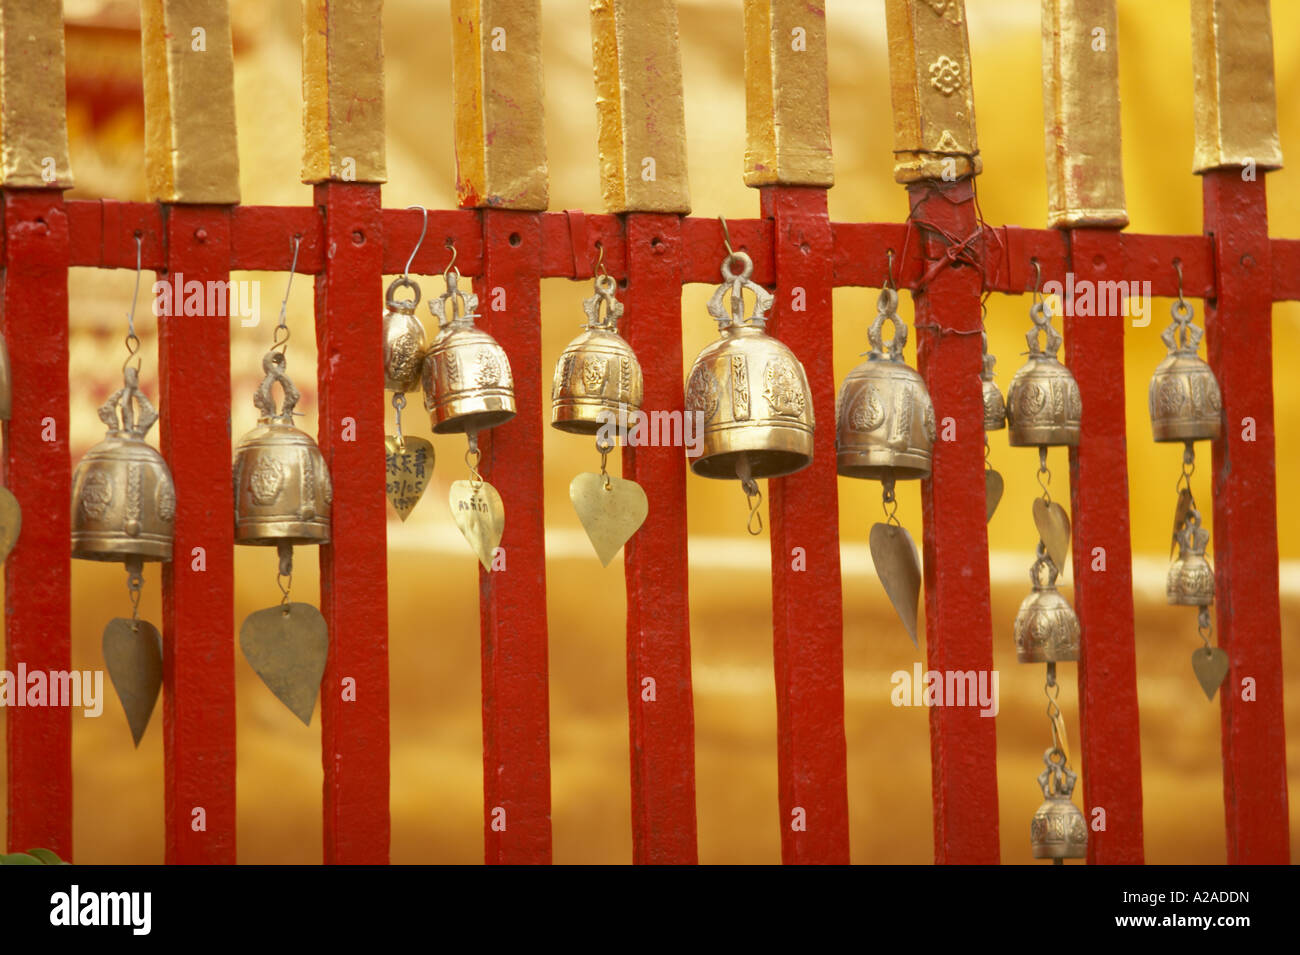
(754, 497)
(284, 575)
(1189, 468)
(399, 402)
(988, 465)
(1203, 627)
(134, 584)
(1052, 690)
(1044, 474)
(132, 339)
(472, 458)
(604, 446)
(888, 502)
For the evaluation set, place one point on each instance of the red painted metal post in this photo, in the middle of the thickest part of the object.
(199, 583)
(512, 601)
(661, 729)
(38, 470)
(354, 565)
(1103, 590)
(1238, 327)
(807, 602)
(958, 625)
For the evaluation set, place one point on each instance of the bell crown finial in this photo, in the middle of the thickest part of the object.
(1182, 336)
(1192, 537)
(128, 410)
(464, 305)
(887, 308)
(273, 363)
(737, 283)
(1057, 779)
(606, 320)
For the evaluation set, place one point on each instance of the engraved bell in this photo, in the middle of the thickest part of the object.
(750, 390)
(597, 378)
(467, 383)
(123, 498)
(884, 418)
(403, 338)
(995, 409)
(1043, 404)
(1191, 579)
(1046, 628)
(1184, 398)
(282, 486)
(1058, 829)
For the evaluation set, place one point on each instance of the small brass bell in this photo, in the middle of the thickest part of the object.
(467, 383)
(1043, 403)
(995, 409)
(750, 391)
(282, 486)
(1191, 579)
(123, 498)
(1058, 829)
(598, 378)
(1046, 628)
(403, 338)
(1184, 398)
(885, 426)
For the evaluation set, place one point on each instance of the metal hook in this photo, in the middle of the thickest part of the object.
(450, 244)
(132, 339)
(1038, 279)
(418, 242)
(277, 341)
(726, 237)
(599, 267)
(1178, 270)
(889, 278)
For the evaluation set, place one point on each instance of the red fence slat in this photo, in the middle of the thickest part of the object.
(807, 602)
(512, 602)
(661, 731)
(354, 565)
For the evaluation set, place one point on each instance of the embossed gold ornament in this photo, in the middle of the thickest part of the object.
(1043, 404)
(468, 388)
(282, 499)
(597, 385)
(750, 391)
(1046, 628)
(885, 431)
(123, 509)
(1058, 830)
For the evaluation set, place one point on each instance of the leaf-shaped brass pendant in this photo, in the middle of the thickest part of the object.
(133, 658)
(481, 517)
(992, 493)
(610, 513)
(1053, 530)
(409, 466)
(899, 568)
(11, 522)
(1210, 665)
(286, 646)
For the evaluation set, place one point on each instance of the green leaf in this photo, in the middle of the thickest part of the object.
(19, 858)
(46, 856)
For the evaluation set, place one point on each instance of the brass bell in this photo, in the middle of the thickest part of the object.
(123, 498)
(1043, 403)
(885, 426)
(467, 383)
(6, 382)
(1184, 399)
(1191, 579)
(995, 409)
(597, 379)
(1046, 628)
(1058, 829)
(282, 486)
(750, 391)
(403, 338)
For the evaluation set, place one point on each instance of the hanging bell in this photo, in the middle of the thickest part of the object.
(1043, 403)
(1046, 628)
(749, 389)
(123, 499)
(467, 382)
(1058, 829)
(1184, 399)
(6, 382)
(403, 338)
(1191, 579)
(885, 426)
(597, 379)
(995, 409)
(282, 486)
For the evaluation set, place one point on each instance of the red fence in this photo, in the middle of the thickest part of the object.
(348, 242)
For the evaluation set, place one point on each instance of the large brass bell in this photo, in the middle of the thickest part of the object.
(403, 338)
(885, 426)
(123, 498)
(1184, 399)
(598, 378)
(1058, 829)
(1191, 579)
(749, 390)
(282, 486)
(1043, 403)
(467, 383)
(1046, 628)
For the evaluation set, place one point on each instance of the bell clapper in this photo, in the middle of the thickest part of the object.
(753, 496)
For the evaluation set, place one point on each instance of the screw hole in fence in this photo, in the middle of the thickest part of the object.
(358, 237)
(515, 239)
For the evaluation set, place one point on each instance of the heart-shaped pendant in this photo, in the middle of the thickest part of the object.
(11, 522)
(1053, 530)
(610, 512)
(133, 658)
(899, 568)
(286, 645)
(1210, 664)
(409, 463)
(992, 493)
(480, 515)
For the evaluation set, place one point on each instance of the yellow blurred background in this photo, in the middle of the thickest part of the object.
(433, 596)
